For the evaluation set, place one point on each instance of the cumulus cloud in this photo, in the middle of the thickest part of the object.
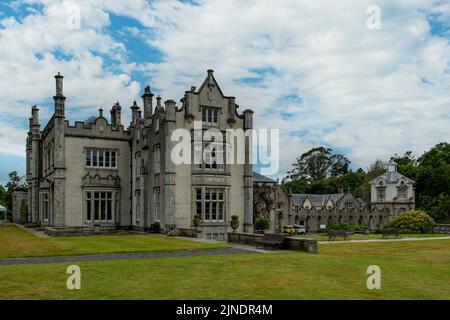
(310, 68)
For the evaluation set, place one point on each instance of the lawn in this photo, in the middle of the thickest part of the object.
(324, 237)
(409, 270)
(15, 242)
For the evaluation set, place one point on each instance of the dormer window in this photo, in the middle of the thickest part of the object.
(210, 115)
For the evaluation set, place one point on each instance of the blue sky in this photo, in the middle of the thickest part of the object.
(311, 69)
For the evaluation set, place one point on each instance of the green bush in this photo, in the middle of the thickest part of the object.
(339, 226)
(412, 222)
(262, 224)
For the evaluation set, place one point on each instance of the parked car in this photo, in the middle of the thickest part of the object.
(289, 229)
(299, 229)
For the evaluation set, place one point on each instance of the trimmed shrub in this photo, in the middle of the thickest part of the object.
(412, 222)
(262, 224)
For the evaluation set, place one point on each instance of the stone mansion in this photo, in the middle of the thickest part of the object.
(99, 175)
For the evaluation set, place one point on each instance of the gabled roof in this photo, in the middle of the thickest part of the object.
(210, 78)
(317, 200)
(260, 178)
(391, 177)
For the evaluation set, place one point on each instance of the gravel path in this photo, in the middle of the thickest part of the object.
(120, 256)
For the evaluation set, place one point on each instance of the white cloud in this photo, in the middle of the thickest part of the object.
(370, 93)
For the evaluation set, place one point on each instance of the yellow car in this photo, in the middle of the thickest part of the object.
(289, 229)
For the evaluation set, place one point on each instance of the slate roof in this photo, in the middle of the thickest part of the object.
(392, 177)
(90, 121)
(317, 200)
(260, 178)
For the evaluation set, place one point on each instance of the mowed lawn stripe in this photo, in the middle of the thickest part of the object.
(409, 270)
(17, 243)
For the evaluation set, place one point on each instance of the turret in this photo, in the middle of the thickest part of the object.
(59, 97)
(392, 166)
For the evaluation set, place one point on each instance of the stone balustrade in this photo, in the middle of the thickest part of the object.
(290, 243)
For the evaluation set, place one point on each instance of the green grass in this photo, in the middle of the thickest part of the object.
(324, 237)
(409, 270)
(15, 242)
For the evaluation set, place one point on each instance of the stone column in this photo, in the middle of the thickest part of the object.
(248, 175)
(34, 165)
(169, 166)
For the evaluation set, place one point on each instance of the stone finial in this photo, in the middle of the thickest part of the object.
(100, 112)
(158, 101)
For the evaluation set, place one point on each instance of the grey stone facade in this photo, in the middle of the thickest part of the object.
(19, 199)
(392, 191)
(99, 175)
(391, 194)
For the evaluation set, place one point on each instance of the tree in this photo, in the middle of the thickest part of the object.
(318, 164)
(432, 176)
(13, 180)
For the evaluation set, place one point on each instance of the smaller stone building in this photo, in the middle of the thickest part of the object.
(392, 191)
(391, 194)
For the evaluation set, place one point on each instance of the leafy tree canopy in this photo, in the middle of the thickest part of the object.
(318, 164)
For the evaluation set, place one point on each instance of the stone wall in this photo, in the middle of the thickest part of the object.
(19, 198)
(441, 228)
(290, 243)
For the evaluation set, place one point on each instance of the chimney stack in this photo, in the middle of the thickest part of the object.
(134, 113)
(147, 97)
(116, 115)
(59, 97)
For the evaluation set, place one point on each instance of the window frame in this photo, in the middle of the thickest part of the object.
(94, 156)
(210, 115)
(211, 202)
(100, 206)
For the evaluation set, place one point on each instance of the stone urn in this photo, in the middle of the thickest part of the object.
(234, 223)
(196, 221)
